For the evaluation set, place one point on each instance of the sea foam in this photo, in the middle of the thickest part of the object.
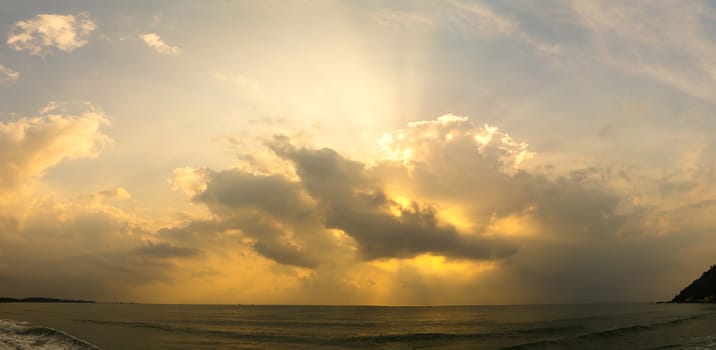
(15, 335)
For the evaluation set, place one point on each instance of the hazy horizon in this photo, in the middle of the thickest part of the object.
(337, 152)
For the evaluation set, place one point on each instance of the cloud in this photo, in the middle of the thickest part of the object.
(333, 205)
(7, 74)
(155, 42)
(273, 213)
(77, 249)
(355, 202)
(80, 247)
(447, 212)
(44, 33)
(189, 180)
(163, 250)
(115, 193)
(31, 145)
(442, 189)
(671, 41)
(469, 17)
(332, 202)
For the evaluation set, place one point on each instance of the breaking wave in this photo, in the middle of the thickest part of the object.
(15, 335)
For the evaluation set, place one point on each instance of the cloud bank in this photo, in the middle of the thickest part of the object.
(79, 246)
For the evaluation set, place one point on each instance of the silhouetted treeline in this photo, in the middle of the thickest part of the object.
(702, 290)
(42, 300)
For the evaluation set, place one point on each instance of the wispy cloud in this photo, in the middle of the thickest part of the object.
(488, 20)
(7, 74)
(469, 17)
(44, 33)
(155, 42)
(669, 41)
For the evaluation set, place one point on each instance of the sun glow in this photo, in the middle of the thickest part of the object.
(430, 264)
(513, 225)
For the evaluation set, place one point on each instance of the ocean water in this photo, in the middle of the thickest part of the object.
(137, 326)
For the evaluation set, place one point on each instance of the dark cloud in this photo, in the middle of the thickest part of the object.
(413, 232)
(269, 210)
(356, 204)
(162, 250)
(289, 221)
(91, 254)
(233, 190)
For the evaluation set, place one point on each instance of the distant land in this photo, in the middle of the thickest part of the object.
(702, 290)
(42, 300)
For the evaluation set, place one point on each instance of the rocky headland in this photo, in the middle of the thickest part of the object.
(702, 290)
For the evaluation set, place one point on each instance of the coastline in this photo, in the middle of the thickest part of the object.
(44, 300)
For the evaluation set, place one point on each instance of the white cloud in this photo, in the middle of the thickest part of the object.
(45, 32)
(7, 74)
(155, 42)
(413, 143)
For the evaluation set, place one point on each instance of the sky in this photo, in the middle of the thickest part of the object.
(357, 152)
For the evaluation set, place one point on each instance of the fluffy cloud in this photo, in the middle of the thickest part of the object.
(30, 145)
(44, 33)
(7, 74)
(157, 44)
(78, 247)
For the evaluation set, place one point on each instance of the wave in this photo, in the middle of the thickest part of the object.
(276, 337)
(609, 333)
(240, 323)
(15, 335)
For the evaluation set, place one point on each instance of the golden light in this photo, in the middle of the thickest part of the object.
(513, 225)
(430, 264)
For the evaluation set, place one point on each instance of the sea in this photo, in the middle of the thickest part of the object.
(52, 326)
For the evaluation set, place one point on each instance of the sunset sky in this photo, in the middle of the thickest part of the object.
(357, 152)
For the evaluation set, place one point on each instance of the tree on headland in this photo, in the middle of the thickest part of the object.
(702, 290)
